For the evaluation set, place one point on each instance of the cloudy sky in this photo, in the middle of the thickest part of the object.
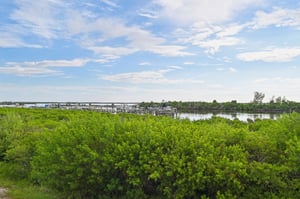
(154, 50)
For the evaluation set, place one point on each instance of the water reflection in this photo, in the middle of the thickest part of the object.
(240, 116)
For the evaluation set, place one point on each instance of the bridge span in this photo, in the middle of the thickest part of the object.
(111, 107)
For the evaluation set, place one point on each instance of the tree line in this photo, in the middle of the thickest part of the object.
(232, 106)
(275, 105)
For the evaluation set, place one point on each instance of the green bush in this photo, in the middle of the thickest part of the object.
(96, 155)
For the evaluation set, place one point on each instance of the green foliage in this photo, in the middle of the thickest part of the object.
(256, 106)
(11, 129)
(97, 155)
(23, 189)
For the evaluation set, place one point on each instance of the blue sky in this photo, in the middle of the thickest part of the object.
(137, 50)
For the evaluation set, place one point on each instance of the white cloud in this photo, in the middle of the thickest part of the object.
(188, 63)
(138, 77)
(148, 77)
(272, 55)
(43, 67)
(231, 69)
(28, 71)
(13, 92)
(211, 37)
(12, 41)
(39, 17)
(175, 67)
(169, 50)
(212, 46)
(197, 32)
(52, 63)
(144, 64)
(112, 52)
(64, 20)
(109, 29)
(110, 3)
(213, 11)
(103, 28)
(230, 30)
(226, 59)
(278, 17)
(147, 13)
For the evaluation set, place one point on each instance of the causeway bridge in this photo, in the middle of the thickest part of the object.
(110, 107)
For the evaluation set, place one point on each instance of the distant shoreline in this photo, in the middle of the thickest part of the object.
(283, 107)
(189, 107)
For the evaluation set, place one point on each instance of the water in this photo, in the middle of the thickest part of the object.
(231, 116)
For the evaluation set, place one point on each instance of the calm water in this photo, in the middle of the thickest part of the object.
(240, 116)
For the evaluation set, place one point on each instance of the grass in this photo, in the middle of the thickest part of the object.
(22, 189)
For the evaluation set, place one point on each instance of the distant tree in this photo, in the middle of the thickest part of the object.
(278, 100)
(258, 97)
(272, 100)
(164, 104)
(281, 100)
(284, 100)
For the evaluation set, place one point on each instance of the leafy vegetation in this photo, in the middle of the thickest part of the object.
(277, 105)
(82, 154)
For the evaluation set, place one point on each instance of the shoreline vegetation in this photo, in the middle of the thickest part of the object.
(279, 106)
(54, 153)
(233, 106)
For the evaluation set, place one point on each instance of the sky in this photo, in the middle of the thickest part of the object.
(154, 50)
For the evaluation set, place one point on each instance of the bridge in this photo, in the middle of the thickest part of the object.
(110, 107)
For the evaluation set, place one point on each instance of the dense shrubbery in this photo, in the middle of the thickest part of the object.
(95, 155)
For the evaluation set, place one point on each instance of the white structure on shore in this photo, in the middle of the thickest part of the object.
(111, 107)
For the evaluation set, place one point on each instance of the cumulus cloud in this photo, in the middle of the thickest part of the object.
(279, 17)
(199, 25)
(212, 46)
(212, 37)
(192, 11)
(272, 55)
